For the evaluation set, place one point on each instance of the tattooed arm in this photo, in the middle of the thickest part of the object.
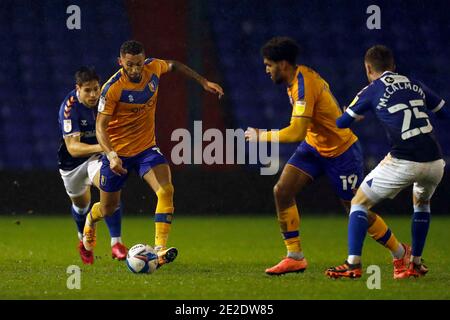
(188, 72)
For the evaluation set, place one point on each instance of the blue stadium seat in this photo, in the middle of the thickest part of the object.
(334, 38)
(33, 86)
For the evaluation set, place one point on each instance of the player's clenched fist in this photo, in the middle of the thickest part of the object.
(115, 164)
(251, 134)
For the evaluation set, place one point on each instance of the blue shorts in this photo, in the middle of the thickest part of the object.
(141, 163)
(345, 172)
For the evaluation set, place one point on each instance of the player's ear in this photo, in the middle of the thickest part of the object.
(119, 61)
(368, 68)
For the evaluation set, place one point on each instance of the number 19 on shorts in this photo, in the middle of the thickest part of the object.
(350, 180)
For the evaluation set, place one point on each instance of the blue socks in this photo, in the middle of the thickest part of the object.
(357, 229)
(114, 223)
(79, 216)
(419, 228)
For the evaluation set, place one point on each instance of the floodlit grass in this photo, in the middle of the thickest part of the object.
(219, 258)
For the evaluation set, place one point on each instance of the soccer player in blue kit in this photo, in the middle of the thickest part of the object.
(79, 158)
(401, 105)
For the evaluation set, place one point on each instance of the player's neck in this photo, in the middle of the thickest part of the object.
(378, 75)
(291, 74)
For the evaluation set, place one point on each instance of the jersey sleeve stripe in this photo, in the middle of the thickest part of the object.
(301, 86)
(148, 60)
(351, 113)
(439, 106)
(110, 82)
(72, 134)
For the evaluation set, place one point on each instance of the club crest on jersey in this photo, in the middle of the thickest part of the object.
(152, 86)
(101, 104)
(103, 180)
(83, 122)
(299, 107)
(130, 98)
(67, 125)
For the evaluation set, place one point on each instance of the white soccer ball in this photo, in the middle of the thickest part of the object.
(142, 258)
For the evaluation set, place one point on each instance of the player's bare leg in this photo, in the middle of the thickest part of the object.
(291, 181)
(159, 178)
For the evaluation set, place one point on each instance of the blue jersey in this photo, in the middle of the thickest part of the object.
(401, 104)
(75, 119)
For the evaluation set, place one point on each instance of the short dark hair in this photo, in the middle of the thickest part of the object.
(132, 47)
(86, 74)
(281, 48)
(380, 58)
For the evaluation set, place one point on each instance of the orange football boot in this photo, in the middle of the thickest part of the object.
(288, 265)
(89, 237)
(417, 270)
(345, 270)
(166, 255)
(401, 265)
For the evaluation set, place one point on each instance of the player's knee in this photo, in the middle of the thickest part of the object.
(359, 202)
(81, 210)
(82, 201)
(166, 192)
(421, 205)
(108, 209)
(281, 193)
(361, 199)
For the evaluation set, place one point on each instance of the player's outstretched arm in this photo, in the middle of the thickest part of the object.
(295, 132)
(188, 72)
(115, 163)
(79, 149)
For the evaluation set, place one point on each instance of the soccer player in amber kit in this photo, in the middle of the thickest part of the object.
(126, 132)
(324, 149)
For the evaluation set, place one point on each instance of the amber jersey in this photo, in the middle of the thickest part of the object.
(310, 97)
(132, 106)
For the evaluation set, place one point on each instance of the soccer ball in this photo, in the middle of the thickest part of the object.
(142, 258)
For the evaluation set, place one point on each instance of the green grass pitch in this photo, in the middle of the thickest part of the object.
(219, 258)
